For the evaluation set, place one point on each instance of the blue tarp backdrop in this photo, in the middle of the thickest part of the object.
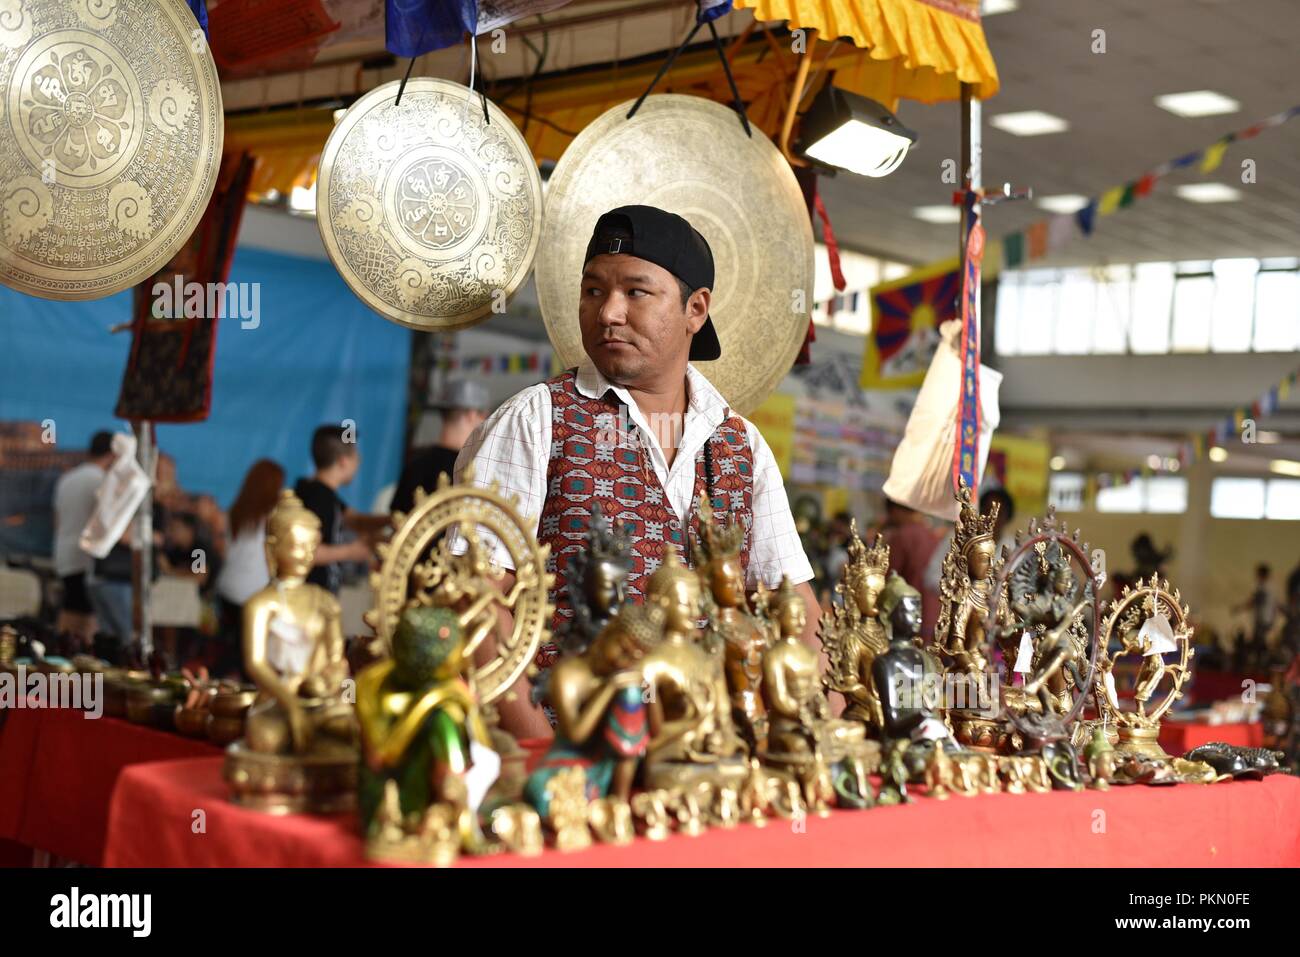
(317, 355)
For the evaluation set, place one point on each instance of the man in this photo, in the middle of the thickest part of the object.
(636, 429)
(74, 503)
(912, 543)
(1262, 604)
(336, 457)
(463, 405)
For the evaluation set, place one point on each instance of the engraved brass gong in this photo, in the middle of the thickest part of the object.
(690, 156)
(110, 141)
(429, 213)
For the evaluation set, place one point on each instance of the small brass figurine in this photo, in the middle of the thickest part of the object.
(852, 633)
(716, 553)
(650, 812)
(299, 749)
(1099, 756)
(1149, 621)
(692, 735)
(970, 570)
(791, 689)
(601, 723)
(611, 820)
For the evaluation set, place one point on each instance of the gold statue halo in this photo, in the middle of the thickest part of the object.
(111, 127)
(1150, 597)
(690, 156)
(433, 515)
(431, 215)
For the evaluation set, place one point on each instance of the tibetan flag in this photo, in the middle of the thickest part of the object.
(711, 9)
(1144, 185)
(1214, 156)
(905, 318)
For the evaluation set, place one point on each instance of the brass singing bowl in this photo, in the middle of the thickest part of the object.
(690, 156)
(431, 215)
(111, 128)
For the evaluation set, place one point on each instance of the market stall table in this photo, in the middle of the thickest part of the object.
(57, 772)
(1179, 737)
(153, 822)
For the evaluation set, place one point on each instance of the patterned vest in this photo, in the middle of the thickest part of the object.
(585, 467)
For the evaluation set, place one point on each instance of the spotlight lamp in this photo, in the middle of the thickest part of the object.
(843, 130)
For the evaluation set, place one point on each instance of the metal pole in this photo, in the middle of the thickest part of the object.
(142, 543)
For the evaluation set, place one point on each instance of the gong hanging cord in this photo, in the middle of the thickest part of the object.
(737, 104)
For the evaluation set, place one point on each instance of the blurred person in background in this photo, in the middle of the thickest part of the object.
(912, 543)
(463, 404)
(1262, 606)
(337, 459)
(245, 571)
(74, 503)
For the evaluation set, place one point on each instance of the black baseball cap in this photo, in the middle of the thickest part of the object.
(669, 241)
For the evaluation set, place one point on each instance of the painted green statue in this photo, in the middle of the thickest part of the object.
(424, 742)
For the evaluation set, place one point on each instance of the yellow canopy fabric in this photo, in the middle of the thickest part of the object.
(287, 146)
(919, 49)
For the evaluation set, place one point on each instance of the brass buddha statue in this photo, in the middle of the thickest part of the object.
(822, 754)
(904, 676)
(716, 553)
(692, 735)
(852, 634)
(299, 749)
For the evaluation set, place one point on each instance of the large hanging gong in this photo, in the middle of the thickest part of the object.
(110, 141)
(430, 213)
(690, 156)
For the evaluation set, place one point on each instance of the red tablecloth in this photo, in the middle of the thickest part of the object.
(1244, 823)
(57, 772)
(1208, 687)
(1179, 737)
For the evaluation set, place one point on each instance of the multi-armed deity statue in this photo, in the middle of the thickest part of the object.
(299, 750)
(1146, 622)
(853, 635)
(692, 735)
(716, 553)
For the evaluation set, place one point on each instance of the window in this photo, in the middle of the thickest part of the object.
(1225, 305)
(1154, 495)
(1277, 311)
(1234, 304)
(1166, 495)
(1065, 491)
(1193, 308)
(1237, 498)
(1283, 499)
(1120, 498)
(1153, 289)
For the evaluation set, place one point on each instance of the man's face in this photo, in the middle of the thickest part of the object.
(633, 323)
(351, 463)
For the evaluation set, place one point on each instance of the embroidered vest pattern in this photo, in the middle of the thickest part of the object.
(586, 467)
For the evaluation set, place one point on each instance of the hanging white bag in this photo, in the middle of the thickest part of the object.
(920, 475)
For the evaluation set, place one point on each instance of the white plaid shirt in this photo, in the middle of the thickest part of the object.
(513, 449)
